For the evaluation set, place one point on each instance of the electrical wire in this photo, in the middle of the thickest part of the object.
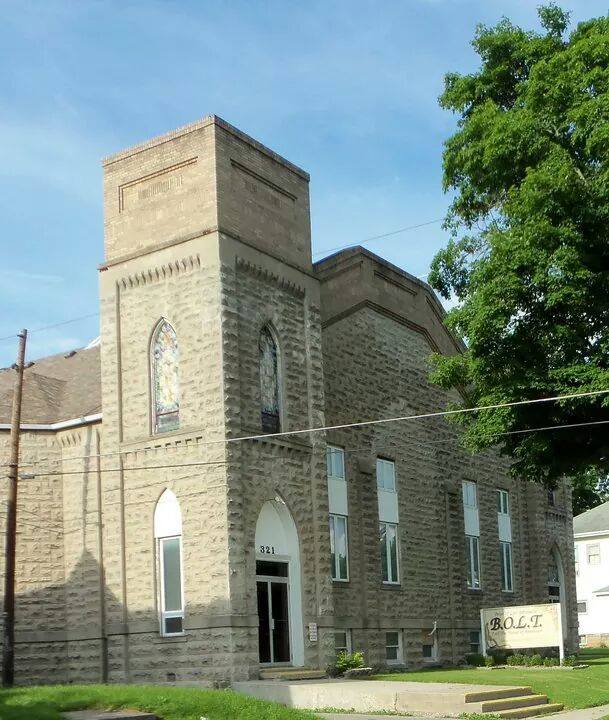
(46, 473)
(374, 238)
(363, 423)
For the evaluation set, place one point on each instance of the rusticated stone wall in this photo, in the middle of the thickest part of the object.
(376, 365)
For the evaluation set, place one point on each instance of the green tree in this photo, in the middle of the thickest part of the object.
(528, 259)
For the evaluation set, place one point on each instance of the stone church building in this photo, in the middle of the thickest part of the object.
(174, 520)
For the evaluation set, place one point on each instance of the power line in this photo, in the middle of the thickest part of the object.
(53, 325)
(344, 426)
(379, 237)
(54, 526)
(366, 449)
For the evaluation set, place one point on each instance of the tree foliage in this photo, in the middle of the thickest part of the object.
(528, 259)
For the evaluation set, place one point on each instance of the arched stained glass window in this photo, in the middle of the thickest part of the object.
(269, 382)
(165, 381)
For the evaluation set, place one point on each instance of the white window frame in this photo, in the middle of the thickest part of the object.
(470, 494)
(399, 660)
(385, 467)
(576, 558)
(507, 568)
(503, 504)
(333, 452)
(596, 554)
(169, 614)
(348, 647)
(390, 579)
(470, 542)
(336, 566)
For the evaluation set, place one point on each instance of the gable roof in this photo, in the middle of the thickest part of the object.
(56, 388)
(595, 520)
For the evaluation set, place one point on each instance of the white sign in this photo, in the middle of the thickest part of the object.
(313, 632)
(522, 626)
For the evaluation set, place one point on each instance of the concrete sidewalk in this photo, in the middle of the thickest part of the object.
(595, 713)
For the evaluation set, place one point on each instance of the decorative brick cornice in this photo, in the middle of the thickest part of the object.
(161, 272)
(266, 274)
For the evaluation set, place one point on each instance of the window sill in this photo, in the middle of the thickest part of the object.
(177, 638)
(391, 586)
(341, 583)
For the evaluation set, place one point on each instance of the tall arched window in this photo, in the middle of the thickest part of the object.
(165, 381)
(168, 538)
(269, 382)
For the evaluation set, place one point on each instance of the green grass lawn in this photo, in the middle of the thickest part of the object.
(574, 688)
(169, 703)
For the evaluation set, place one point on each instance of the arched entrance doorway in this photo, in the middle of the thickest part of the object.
(557, 589)
(278, 587)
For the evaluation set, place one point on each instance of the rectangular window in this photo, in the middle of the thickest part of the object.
(429, 645)
(385, 474)
(474, 642)
(339, 547)
(503, 502)
(472, 553)
(335, 462)
(342, 641)
(594, 554)
(507, 578)
(582, 607)
(470, 496)
(471, 523)
(172, 601)
(552, 497)
(389, 553)
(393, 647)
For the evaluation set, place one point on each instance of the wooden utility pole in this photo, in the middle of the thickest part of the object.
(8, 625)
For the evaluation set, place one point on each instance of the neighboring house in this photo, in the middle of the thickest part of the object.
(591, 533)
(152, 549)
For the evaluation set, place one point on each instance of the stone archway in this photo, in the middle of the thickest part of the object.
(278, 583)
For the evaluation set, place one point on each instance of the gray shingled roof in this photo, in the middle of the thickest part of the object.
(56, 388)
(595, 520)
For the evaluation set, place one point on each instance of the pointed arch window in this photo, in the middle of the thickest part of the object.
(269, 382)
(168, 538)
(165, 381)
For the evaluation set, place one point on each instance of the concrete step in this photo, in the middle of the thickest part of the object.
(291, 674)
(511, 703)
(532, 711)
(497, 694)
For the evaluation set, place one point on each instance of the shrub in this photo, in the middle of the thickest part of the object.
(534, 660)
(489, 661)
(516, 659)
(570, 661)
(349, 661)
(475, 659)
(332, 671)
(550, 662)
(501, 656)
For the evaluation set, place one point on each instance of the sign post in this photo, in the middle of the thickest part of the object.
(522, 627)
(483, 633)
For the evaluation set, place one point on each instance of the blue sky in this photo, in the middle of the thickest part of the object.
(348, 90)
